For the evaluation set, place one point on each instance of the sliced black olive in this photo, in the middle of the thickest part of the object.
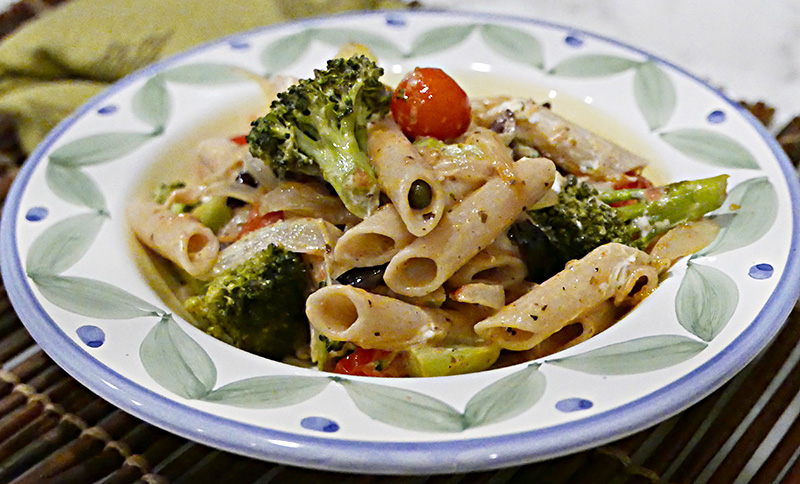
(363, 277)
(246, 179)
(234, 202)
(538, 253)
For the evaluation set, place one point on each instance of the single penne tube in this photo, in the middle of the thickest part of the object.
(573, 148)
(348, 313)
(180, 238)
(499, 263)
(613, 271)
(407, 179)
(468, 228)
(372, 242)
(593, 321)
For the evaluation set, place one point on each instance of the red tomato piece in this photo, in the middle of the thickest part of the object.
(428, 102)
(632, 180)
(256, 220)
(363, 362)
(240, 140)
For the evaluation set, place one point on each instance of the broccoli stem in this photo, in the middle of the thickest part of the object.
(344, 164)
(669, 205)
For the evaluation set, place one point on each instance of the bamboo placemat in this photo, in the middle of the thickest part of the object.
(54, 430)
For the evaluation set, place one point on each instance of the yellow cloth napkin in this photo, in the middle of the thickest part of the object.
(56, 62)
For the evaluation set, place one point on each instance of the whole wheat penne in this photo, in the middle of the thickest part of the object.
(468, 228)
(401, 169)
(180, 238)
(613, 272)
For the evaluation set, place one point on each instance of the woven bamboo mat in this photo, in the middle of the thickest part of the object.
(53, 430)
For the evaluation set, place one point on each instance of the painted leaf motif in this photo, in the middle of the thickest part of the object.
(268, 391)
(706, 300)
(98, 148)
(506, 398)
(72, 185)
(655, 94)
(63, 244)
(710, 147)
(439, 39)
(176, 361)
(151, 104)
(593, 65)
(634, 356)
(380, 46)
(404, 408)
(757, 210)
(204, 73)
(514, 44)
(285, 51)
(92, 298)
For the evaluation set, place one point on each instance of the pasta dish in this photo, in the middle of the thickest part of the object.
(413, 230)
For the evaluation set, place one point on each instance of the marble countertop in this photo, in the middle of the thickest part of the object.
(748, 48)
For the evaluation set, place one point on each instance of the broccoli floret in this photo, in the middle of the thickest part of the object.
(259, 305)
(584, 218)
(319, 127)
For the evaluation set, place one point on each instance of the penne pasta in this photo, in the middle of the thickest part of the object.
(499, 263)
(492, 296)
(372, 242)
(572, 147)
(467, 229)
(613, 272)
(347, 313)
(402, 172)
(180, 238)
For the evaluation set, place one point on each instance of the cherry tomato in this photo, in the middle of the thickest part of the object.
(428, 102)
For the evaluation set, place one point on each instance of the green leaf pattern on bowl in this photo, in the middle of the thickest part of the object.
(638, 355)
(173, 358)
(706, 300)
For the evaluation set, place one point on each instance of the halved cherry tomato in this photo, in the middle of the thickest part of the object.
(428, 102)
(368, 362)
(256, 220)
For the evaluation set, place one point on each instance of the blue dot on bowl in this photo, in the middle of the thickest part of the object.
(320, 424)
(574, 404)
(761, 271)
(573, 41)
(239, 44)
(395, 20)
(110, 109)
(36, 214)
(716, 117)
(92, 336)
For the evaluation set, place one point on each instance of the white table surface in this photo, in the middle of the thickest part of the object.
(750, 48)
